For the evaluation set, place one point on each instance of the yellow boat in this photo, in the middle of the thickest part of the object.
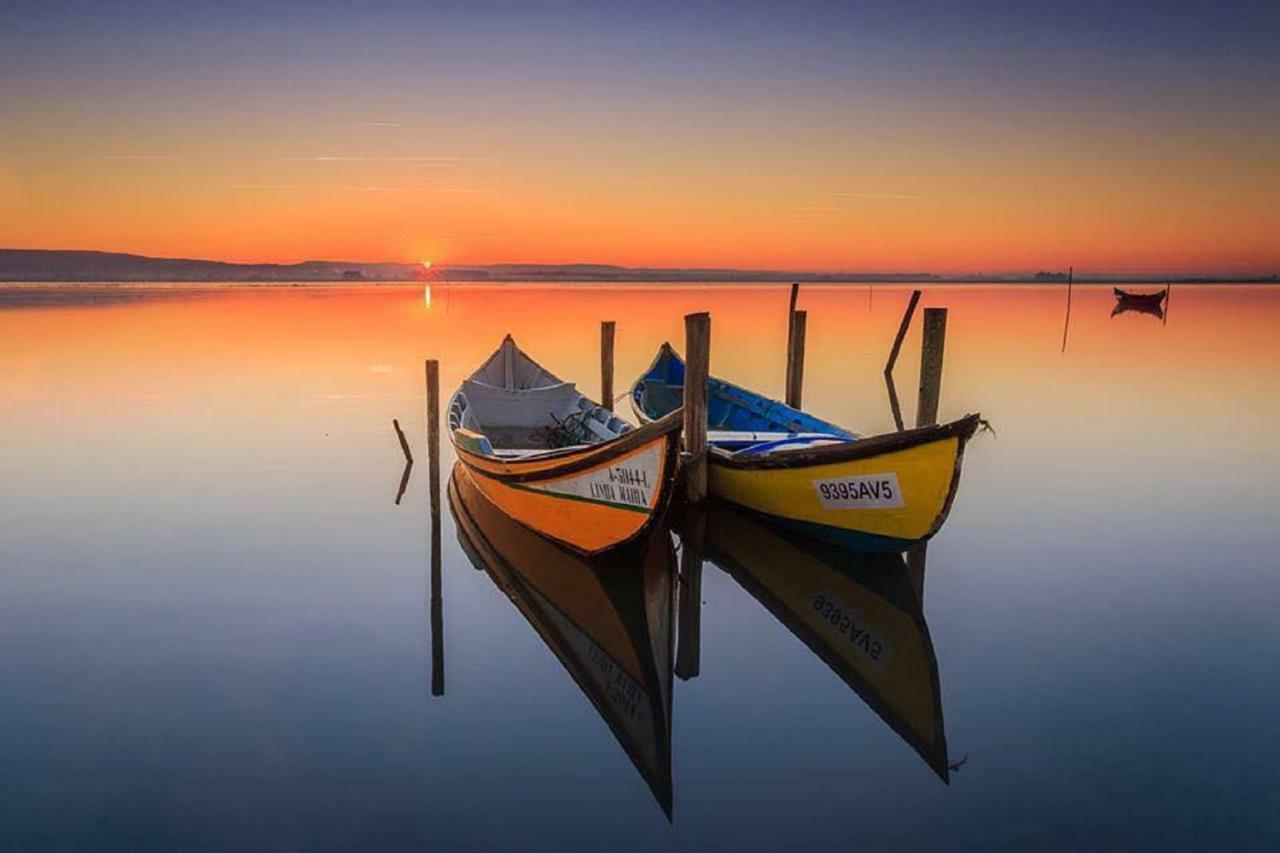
(557, 462)
(861, 614)
(871, 493)
(606, 618)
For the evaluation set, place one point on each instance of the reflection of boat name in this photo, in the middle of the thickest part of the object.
(873, 491)
(850, 623)
(621, 688)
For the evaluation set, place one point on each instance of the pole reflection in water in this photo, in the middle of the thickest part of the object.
(861, 614)
(689, 652)
(607, 619)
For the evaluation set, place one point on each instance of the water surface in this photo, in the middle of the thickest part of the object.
(215, 620)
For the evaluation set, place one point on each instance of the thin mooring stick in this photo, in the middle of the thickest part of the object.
(902, 331)
(1066, 324)
(404, 443)
(791, 332)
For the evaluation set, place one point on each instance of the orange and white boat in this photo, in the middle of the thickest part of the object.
(557, 462)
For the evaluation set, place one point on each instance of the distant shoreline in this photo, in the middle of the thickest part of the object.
(651, 284)
(49, 266)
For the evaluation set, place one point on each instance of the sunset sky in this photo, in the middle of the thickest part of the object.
(946, 136)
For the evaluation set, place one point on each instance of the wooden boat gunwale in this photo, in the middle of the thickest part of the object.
(575, 458)
(861, 448)
(1128, 295)
(845, 451)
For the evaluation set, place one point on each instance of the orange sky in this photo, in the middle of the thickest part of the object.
(828, 144)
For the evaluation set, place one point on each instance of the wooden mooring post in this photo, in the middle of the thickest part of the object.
(433, 459)
(932, 350)
(795, 359)
(697, 349)
(932, 345)
(607, 328)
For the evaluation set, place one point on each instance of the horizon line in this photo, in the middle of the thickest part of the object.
(1249, 271)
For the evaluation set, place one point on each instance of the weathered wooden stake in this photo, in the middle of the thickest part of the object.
(1066, 323)
(433, 466)
(606, 363)
(791, 335)
(902, 331)
(697, 348)
(689, 604)
(433, 434)
(1168, 293)
(932, 346)
(894, 406)
(791, 309)
(795, 359)
(404, 443)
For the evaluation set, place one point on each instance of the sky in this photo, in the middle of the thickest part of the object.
(911, 136)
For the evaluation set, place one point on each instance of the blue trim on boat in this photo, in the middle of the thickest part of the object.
(729, 407)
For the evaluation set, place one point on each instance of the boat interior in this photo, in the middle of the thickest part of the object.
(739, 421)
(521, 407)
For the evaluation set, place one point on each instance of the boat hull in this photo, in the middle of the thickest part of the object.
(882, 494)
(589, 499)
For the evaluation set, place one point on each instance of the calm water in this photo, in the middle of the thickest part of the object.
(215, 621)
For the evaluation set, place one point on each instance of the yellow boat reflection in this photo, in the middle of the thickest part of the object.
(860, 613)
(607, 619)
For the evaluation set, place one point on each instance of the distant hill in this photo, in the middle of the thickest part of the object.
(59, 265)
(56, 265)
(28, 265)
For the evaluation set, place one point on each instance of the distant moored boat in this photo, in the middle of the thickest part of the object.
(1144, 298)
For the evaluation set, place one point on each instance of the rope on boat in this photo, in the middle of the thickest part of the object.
(570, 431)
(687, 458)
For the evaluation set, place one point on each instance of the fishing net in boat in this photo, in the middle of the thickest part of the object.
(571, 430)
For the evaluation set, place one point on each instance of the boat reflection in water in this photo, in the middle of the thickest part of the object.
(1140, 303)
(862, 614)
(1124, 306)
(607, 618)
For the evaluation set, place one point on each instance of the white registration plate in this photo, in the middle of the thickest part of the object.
(870, 491)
